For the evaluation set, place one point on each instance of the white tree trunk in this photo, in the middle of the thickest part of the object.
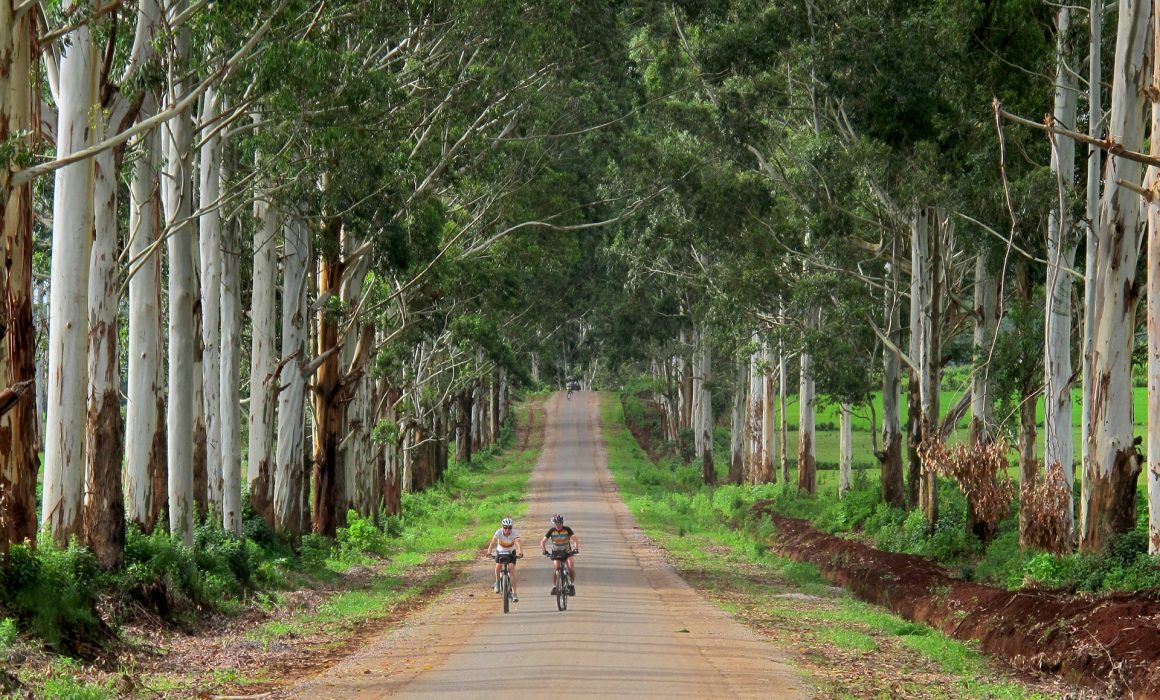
(144, 429)
(178, 185)
(783, 420)
(893, 488)
(1108, 496)
(1058, 446)
(687, 394)
(697, 371)
(1092, 211)
(210, 240)
(845, 450)
(289, 479)
(986, 320)
(407, 460)
(72, 213)
(755, 417)
(1153, 311)
(737, 424)
(493, 409)
(229, 390)
(705, 417)
(104, 510)
(263, 360)
(504, 396)
(807, 464)
(768, 435)
(363, 483)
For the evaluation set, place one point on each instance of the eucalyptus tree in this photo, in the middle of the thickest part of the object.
(72, 216)
(209, 240)
(1108, 498)
(145, 459)
(178, 193)
(18, 136)
(1153, 320)
(122, 97)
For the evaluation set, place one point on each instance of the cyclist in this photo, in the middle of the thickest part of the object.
(507, 546)
(564, 545)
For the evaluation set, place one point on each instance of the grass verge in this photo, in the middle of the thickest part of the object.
(848, 649)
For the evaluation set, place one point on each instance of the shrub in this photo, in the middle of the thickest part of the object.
(314, 551)
(220, 552)
(160, 573)
(856, 507)
(360, 536)
(8, 632)
(53, 593)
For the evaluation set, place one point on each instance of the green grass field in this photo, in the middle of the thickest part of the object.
(827, 446)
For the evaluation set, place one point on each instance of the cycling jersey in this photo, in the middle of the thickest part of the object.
(560, 539)
(506, 543)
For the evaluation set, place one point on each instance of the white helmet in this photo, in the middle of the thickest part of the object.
(506, 522)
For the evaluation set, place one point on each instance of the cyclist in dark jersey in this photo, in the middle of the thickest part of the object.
(564, 545)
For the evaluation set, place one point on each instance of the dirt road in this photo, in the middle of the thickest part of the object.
(635, 629)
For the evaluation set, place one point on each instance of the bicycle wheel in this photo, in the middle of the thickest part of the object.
(562, 591)
(506, 587)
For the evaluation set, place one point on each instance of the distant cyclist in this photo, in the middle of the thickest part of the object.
(564, 545)
(507, 546)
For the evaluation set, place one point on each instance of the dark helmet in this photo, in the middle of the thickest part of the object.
(557, 519)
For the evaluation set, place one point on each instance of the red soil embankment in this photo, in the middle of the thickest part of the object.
(1111, 642)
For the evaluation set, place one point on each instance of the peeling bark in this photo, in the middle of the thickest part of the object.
(328, 394)
(19, 459)
(104, 503)
(1108, 504)
(263, 336)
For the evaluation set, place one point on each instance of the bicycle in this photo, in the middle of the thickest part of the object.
(505, 579)
(561, 578)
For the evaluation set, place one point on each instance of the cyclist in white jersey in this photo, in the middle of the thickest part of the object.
(506, 543)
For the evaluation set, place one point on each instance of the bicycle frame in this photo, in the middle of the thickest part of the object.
(505, 581)
(562, 580)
